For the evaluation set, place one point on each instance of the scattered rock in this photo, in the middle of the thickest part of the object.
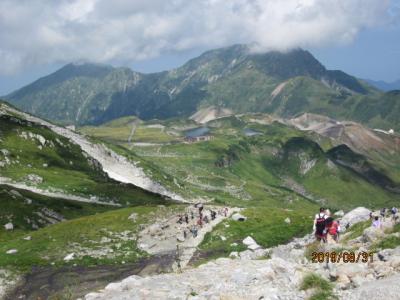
(12, 251)
(28, 238)
(35, 179)
(9, 226)
(69, 257)
(287, 220)
(223, 238)
(133, 217)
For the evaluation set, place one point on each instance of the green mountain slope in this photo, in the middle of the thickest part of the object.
(285, 84)
(35, 157)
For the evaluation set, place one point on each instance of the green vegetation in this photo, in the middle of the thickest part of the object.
(26, 209)
(323, 288)
(266, 225)
(388, 242)
(103, 238)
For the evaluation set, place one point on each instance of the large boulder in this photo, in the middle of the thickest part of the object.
(372, 234)
(357, 215)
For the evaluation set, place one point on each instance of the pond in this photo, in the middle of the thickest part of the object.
(196, 132)
(250, 132)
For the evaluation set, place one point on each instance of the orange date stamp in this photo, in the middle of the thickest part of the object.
(345, 257)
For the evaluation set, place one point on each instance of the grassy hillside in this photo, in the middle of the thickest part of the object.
(103, 238)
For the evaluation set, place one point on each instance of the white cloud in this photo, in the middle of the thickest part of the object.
(42, 32)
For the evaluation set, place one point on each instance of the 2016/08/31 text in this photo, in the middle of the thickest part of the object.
(345, 256)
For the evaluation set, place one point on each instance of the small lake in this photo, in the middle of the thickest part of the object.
(196, 132)
(250, 132)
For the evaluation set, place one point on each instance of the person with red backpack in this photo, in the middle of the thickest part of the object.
(320, 225)
(332, 230)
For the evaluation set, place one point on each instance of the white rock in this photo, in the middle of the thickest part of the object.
(254, 247)
(249, 241)
(12, 251)
(133, 217)
(287, 220)
(238, 217)
(69, 257)
(9, 226)
(234, 254)
(28, 238)
(223, 238)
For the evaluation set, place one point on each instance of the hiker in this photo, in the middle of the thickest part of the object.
(200, 207)
(213, 215)
(327, 212)
(192, 214)
(186, 218)
(394, 213)
(194, 231)
(180, 220)
(225, 212)
(205, 219)
(332, 228)
(383, 212)
(200, 222)
(184, 234)
(371, 215)
(319, 226)
(377, 223)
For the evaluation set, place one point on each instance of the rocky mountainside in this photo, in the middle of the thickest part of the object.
(230, 78)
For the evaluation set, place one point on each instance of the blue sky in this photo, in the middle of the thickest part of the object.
(360, 37)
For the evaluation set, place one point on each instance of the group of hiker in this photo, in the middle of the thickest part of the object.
(327, 229)
(385, 214)
(197, 217)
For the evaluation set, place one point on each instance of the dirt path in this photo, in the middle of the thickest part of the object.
(75, 282)
(60, 195)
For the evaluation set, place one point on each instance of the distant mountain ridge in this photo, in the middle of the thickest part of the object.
(383, 85)
(234, 78)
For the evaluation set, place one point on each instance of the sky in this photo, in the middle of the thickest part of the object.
(360, 37)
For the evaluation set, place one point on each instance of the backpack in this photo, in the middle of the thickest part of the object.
(320, 224)
(333, 230)
(394, 210)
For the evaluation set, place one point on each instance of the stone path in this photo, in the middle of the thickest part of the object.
(163, 236)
